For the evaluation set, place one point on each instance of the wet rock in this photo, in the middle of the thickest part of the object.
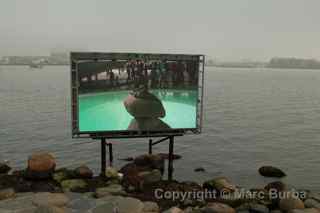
(7, 193)
(199, 169)
(146, 105)
(310, 210)
(311, 203)
(44, 186)
(253, 207)
(277, 186)
(50, 209)
(149, 177)
(220, 184)
(150, 161)
(74, 185)
(113, 189)
(63, 174)
(83, 172)
(150, 207)
(218, 208)
(290, 202)
(50, 199)
(121, 205)
(314, 196)
(41, 165)
(148, 124)
(112, 173)
(174, 210)
(4, 168)
(270, 171)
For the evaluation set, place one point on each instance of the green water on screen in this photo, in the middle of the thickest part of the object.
(105, 111)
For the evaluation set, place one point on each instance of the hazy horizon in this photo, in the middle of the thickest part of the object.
(224, 30)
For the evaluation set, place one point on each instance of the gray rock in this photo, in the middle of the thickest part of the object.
(220, 184)
(253, 207)
(173, 210)
(113, 189)
(50, 199)
(7, 193)
(74, 185)
(121, 205)
(82, 204)
(216, 207)
(112, 173)
(290, 203)
(83, 172)
(270, 171)
(17, 203)
(311, 203)
(149, 177)
(310, 210)
(314, 196)
(150, 207)
(276, 211)
(51, 209)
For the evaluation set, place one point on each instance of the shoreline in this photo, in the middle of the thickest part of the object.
(140, 184)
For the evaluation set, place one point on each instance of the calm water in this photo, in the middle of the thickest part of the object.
(105, 111)
(253, 117)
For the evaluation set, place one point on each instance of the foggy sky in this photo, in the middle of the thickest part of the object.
(223, 29)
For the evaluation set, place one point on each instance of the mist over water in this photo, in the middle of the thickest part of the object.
(252, 117)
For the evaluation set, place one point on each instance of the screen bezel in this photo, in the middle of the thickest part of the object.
(80, 57)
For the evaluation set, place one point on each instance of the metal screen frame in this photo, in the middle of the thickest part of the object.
(78, 57)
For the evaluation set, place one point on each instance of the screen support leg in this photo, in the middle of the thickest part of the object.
(170, 155)
(170, 161)
(104, 156)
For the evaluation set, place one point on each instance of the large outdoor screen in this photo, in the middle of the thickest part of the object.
(132, 94)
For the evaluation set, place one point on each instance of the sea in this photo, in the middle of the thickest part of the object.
(252, 117)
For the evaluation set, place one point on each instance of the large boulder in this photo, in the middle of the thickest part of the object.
(51, 199)
(174, 210)
(309, 210)
(74, 185)
(41, 165)
(150, 207)
(150, 161)
(113, 189)
(63, 174)
(218, 208)
(148, 124)
(270, 171)
(83, 172)
(221, 184)
(146, 105)
(150, 177)
(120, 204)
(7, 193)
(290, 202)
(4, 168)
(112, 173)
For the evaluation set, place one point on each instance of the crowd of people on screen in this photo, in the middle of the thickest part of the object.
(158, 74)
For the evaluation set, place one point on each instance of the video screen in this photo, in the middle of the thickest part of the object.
(137, 94)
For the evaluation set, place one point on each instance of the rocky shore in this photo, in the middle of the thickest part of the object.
(138, 187)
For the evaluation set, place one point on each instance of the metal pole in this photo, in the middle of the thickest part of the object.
(170, 163)
(110, 154)
(150, 146)
(103, 157)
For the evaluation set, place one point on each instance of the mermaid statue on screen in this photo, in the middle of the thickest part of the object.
(146, 109)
